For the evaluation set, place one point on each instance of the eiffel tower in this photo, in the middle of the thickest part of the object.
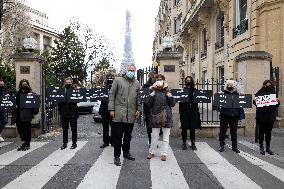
(127, 55)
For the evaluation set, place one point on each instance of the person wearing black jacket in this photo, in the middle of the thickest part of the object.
(69, 114)
(229, 116)
(146, 110)
(265, 117)
(189, 115)
(3, 117)
(106, 118)
(24, 116)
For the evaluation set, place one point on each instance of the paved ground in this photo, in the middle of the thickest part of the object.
(45, 166)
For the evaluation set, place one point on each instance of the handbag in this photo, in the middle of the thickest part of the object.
(159, 120)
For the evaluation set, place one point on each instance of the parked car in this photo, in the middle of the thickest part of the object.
(86, 106)
(96, 116)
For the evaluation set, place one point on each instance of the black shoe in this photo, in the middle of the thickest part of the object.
(74, 145)
(268, 150)
(236, 150)
(193, 147)
(64, 145)
(221, 148)
(262, 152)
(117, 161)
(184, 147)
(128, 156)
(22, 147)
(104, 145)
(27, 146)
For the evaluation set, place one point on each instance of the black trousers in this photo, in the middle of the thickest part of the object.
(106, 121)
(149, 129)
(24, 129)
(233, 124)
(121, 130)
(191, 135)
(265, 128)
(65, 126)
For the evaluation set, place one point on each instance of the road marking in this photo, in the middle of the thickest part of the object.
(227, 174)
(11, 156)
(2, 144)
(40, 174)
(103, 174)
(167, 174)
(268, 167)
(256, 148)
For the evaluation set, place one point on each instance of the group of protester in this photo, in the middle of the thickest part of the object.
(123, 109)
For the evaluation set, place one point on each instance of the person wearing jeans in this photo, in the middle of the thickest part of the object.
(159, 101)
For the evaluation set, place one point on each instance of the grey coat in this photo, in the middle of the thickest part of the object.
(159, 102)
(124, 97)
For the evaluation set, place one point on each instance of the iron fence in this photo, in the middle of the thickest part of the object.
(142, 74)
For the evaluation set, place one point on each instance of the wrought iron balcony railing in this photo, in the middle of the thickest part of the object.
(240, 29)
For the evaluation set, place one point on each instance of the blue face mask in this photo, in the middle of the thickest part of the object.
(130, 74)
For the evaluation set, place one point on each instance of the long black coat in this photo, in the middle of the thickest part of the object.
(24, 114)
(189, 112)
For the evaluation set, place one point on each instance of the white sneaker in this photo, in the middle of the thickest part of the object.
(1, 139)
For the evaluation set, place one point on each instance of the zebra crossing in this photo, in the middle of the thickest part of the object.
(99, 172)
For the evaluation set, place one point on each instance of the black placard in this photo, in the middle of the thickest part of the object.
(8, 102)
(180, 95)
(76, 95)
(98, 94)
(243, 101)
(55, 95)
(223, 100)
(144, 94)
(29, 101)
(202, 96)
(233, 101)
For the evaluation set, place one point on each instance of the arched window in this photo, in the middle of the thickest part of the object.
(219, 31)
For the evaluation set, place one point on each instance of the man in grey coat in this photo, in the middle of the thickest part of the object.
(124, 108)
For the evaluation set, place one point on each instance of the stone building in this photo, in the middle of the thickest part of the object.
(214, 36)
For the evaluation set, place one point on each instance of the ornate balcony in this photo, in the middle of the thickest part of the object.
(219, 44)
(203, 54)
(192, 59)
(240, 29)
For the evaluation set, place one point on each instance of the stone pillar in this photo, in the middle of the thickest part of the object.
(169, 66)
(253, 69)
(28, 66)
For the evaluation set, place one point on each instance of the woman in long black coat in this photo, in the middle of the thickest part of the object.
(189, 115)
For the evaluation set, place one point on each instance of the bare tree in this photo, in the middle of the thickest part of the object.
(16, 26)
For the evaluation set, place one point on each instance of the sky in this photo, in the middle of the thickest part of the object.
(107, 17)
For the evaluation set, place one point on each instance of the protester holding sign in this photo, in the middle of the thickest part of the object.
(160, 103)
(3, 118)
(24, 115)
(266, 114)
(189, 115)
(69, 114)
(229, 116)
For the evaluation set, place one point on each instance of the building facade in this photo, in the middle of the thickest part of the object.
(212, 33)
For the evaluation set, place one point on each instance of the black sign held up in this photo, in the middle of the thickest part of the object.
(8, 103)
(202, 96)
(98, 94)
(55, 95)
(180, 95)
(76, 95)
(223, 100)
(233, 101)
(29, 101)
(144, 94)
(243, 101)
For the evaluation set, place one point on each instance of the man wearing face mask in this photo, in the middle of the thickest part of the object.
(189, 115)
(124, 107)
(265, 117)
(69, 114)
(3, 118)
(229, 116)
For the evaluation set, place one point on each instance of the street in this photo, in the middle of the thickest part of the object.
(88, 166)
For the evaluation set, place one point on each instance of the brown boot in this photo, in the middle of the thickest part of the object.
(163, 158)
(150, 156)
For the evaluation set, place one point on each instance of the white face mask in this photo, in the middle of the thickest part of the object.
(159, 83)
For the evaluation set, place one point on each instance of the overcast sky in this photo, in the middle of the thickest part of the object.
(107, 17)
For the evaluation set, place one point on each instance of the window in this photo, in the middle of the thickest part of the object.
(192, 59)
(204, 76)
(178, 23)
(221, 78)
(177, 2)
(219, 32)
(193, 76)
(204, 43)
(241, 18)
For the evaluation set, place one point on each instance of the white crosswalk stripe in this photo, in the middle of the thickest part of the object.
(167, 174)
(227, 174)
(40, 174)
(11, 156)
(103, 174)
(268, 167)
(2, 144)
